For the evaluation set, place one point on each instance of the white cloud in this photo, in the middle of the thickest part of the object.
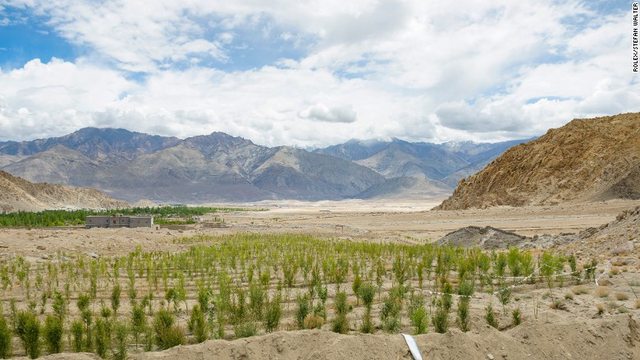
(419, 70)
(336, 114)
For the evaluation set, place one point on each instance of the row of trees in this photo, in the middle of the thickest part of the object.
(244, 284)
(48, 218)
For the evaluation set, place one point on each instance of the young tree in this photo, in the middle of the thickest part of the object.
(115, 297)
(273, 314)
(367, 293)
(121, 334)
(418, 315)
(5, 338)
(340, 322)
(53, 329)
(198, 324)
(28, 330)
(138, 322)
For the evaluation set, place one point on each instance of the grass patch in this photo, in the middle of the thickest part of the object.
(620, 296)
(580, 290)
(602, 292)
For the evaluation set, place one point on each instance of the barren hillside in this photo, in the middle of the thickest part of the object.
(585, 160)
(620, 237)
(18, 194)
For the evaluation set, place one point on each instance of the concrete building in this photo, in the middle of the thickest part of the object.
(117, 221)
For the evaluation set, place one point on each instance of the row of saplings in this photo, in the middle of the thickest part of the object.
(108, 336)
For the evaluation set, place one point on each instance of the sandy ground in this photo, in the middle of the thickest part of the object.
(576, 332)
(408, 221)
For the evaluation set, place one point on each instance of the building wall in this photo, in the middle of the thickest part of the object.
(119, 221)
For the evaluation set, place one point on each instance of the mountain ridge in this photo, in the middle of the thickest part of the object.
(222, 167)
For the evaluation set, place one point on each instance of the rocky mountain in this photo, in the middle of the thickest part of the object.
(220, 167)
(215, 167)
(94, 143)
(418, 169)
(587, 159)
(17, 194)
(406, 187)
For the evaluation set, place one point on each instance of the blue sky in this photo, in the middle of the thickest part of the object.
(24, 37)
(313, 73)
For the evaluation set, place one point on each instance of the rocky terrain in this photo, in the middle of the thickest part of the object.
(620, 237)
(585, 160)
(615, 238)
(220, 167)
(17, 194)
(487, 238)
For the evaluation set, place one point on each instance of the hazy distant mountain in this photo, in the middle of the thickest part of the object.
(406, 187)
(478, 155)
(447, 163)
(220, 167)
(215, 167)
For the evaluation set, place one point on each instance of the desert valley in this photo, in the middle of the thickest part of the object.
(534, 255)
(319, 180)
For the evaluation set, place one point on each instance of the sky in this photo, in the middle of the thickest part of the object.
(313, 73)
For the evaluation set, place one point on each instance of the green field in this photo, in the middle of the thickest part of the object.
(163, 215)
(234, 286)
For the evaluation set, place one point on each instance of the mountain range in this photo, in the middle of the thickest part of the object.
(220, 167)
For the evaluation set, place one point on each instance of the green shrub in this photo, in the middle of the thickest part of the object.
(273, 314)
(355, 286)
(245, 329)
(419, 320)
(256, 299)
(121, 332)
(198, 324)
(115, 297)
(148, 338)
(463, 313)
(441, 318)
(77, 330)
(516, 315)
(504, 296)
(167, 334)
(465, 291)
(102, 338)
(340, 322)
(5, 338)
(28, 330)
(390, 314)
(302, 310)
(53, 329)
(138, 322)
(367, 294)
(446, 299)
(59, 305)
(490, 316)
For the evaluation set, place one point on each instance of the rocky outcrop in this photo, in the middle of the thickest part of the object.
(585, 160)
(17, 194)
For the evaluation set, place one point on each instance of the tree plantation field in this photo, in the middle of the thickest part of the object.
(242, 285)
(162, 215)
